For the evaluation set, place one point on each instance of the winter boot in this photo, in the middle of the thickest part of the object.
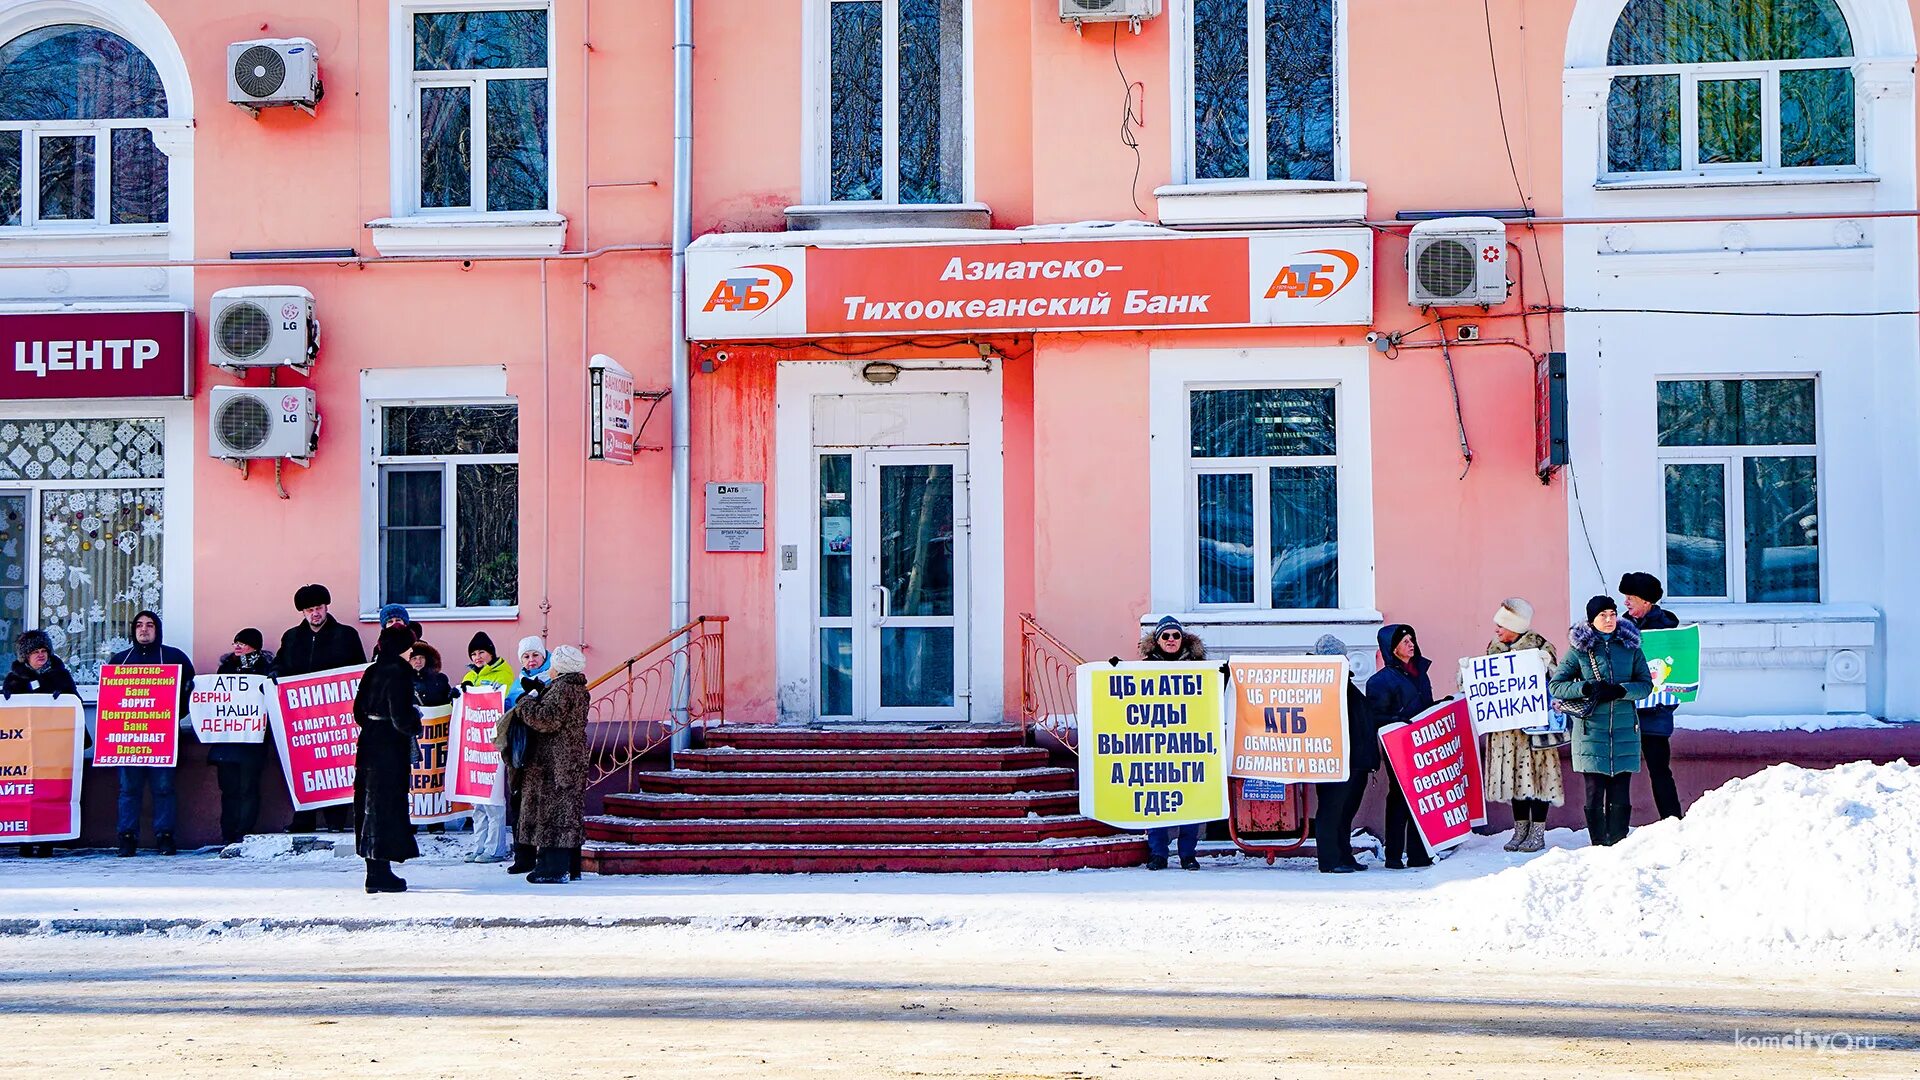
(1520, 832)
(1597, 827)
(1156, 862)
(381, 878)
(1536, 838)
(163, 842)
(1188, 862)
(1617, 817)
(523, 859)
(550, 867)
(129, 845)
(573, 863)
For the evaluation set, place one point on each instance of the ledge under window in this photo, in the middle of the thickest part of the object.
(1260, 202)
(434, 615)
(469, 234)
(868, 215)
(1717, 180)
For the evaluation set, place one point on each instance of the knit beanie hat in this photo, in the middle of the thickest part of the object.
(531, 643)
(1599, 604)
(481, 642)
(567, 660)
(1643, 585)
(1515, 615)
(1166, 623)
(250, 637)
(1328, 645)
(390, 612)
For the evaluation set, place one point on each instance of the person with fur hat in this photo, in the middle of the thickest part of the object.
(486, 670)
(238, 765)
(317, 643)
(553, 782)
(137, 780)
(1169, 642)
(1335, 804)
(1516, 771)
(1398, 692)
(36, 670)
(431, 687)
(383, 762)
(1643, 593)
(1600, 678)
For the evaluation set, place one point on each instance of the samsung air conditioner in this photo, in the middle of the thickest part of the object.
(273, 71)
(263, 326)
(1127, 11)
(247, 423)
(1457, 262)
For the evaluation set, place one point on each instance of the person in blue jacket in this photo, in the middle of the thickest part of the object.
(1643, 593)
(1398, 692)
(137, 780)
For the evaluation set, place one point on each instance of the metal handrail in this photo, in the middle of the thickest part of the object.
(634, 712)
(1048, 701)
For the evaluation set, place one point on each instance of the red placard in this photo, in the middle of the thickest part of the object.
(473, 763)
(138, 722)
(41, 747)
(313, 727)
(1199, 281)
(96, 354)
(1437, 764)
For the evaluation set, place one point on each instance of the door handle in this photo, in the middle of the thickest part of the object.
(886, 604)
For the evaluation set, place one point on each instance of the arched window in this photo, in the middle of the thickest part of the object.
(1712, 86)
(78, 111)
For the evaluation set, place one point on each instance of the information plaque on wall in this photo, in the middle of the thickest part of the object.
(736, 517)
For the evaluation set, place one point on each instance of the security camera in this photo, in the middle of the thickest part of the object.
(1373, 336)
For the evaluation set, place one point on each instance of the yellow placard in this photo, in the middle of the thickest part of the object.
(1153, 748)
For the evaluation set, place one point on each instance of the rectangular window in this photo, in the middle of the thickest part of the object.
(482, 85)
(895, 84)
(1265, 496)
(82, 517)
(1264, 90)
(1725, 117)
(1740, 458)
(449, 506)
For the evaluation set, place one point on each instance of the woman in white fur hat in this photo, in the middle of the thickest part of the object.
(1518, 772)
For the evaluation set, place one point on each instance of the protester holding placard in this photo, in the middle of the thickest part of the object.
(1337, 803)
(317, 643)
(1643, 593)
(1398, 692)
(383, 762)
(1599, 680)
(36, 670)
(238, 765)
(137, 780)
(487, 669)
(1170, 641)
(1517, 772)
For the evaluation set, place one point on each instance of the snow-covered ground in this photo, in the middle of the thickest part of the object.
(1790, 866)
(1690, 721)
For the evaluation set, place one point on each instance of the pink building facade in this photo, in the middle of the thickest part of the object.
(899, 442)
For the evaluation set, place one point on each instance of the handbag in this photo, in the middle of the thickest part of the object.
(519, 735)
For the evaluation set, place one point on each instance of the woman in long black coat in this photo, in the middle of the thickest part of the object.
(383, 764)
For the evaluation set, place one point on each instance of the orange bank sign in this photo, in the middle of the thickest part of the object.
(1317, 277)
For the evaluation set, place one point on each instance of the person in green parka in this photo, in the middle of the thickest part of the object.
(1602, 676)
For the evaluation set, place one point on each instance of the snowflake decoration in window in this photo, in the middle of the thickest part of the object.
(143, 576)
(52, 568)
(53, 593)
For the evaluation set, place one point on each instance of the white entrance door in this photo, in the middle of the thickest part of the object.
(893, 559)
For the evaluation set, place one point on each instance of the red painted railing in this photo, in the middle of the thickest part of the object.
(1048, 700)
(632, 711)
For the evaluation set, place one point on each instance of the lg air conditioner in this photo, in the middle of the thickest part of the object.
(1457, 262)
(263, 326)
(1127, 11)
(247, 423)
(273, 71)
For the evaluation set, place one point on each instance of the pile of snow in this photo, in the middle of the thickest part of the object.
(284, 848)
(1815, 864)
(1686, 721)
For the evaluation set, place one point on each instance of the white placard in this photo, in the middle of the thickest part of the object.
(230, 708)
(1507, 690)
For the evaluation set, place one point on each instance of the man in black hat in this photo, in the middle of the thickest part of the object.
(1643, 593)
(318, 643)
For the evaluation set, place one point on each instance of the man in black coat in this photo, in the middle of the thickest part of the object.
(1643, 593)
(136, 780)
(1337, 803)
(318, 643)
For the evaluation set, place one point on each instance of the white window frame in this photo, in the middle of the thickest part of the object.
(1174, 536)
(408, 86)
(1731, 459)
(818, 126)
(1768, 72)
(1185, 157)
(382, 389)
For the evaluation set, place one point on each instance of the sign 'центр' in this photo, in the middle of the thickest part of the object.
(1437, 763)
(138, 719)
(1289, 718)
(1152, 743)
(42, 744)
(314, 730)
(96, 354)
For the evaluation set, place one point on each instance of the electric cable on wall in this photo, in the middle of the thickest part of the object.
(1129, 119)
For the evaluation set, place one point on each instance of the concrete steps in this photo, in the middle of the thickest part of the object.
(834, 759)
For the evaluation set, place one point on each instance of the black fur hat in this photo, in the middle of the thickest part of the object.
(1643, 585)
(311, 596)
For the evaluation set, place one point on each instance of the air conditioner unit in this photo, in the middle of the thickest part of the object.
(246, 422)
(263, 326)
(1457, 262)
(273, 71)
(1127, 11)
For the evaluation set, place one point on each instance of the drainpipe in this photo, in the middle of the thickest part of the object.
(682, 543)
